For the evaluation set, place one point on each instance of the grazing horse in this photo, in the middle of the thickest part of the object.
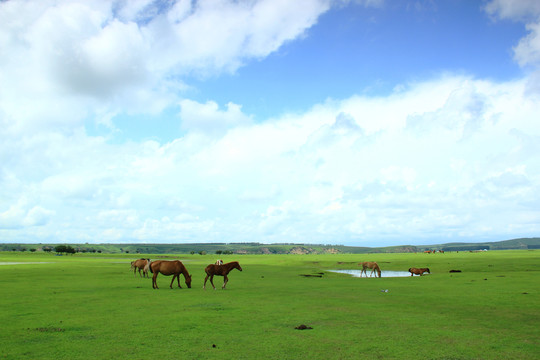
(219, 262)
(166, 267)
(370, 265)
(419, 271)
(221, 270)
(141, 265)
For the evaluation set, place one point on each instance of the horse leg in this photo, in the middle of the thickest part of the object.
(154, 282)
(172, 281)
(225, 282)
(212, 281)
(178, 280)
(206, 278)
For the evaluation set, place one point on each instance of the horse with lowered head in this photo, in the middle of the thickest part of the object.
(419, 271)
(370, 265)
(168, 268)
(141, 265)
(220, 270)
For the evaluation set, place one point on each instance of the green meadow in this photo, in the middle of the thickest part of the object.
(92, 306)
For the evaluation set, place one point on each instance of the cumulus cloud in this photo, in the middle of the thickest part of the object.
(68, 58)
(408, 165)
(527, 51)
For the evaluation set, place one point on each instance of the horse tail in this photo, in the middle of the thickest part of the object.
(150, 267)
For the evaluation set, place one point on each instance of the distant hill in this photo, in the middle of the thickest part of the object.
(258, 248)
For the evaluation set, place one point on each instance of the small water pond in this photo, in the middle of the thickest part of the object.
(384, 273)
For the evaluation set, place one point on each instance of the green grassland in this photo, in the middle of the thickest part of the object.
(92, 306)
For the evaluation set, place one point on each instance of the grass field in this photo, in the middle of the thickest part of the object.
(92, 306)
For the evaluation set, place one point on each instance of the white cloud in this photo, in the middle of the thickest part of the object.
(38, 216)
(521, 10)
(406, 166)
(62, 62)
(21, 214)
(219, 35)
(527, 51)
(208, 118)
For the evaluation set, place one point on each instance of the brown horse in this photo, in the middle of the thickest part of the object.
(220, 270)
(419, 271)
(140, 264)
(370, 265)
(166, 267)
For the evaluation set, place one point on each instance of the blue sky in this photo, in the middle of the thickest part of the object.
(354, 49)
(350, 122)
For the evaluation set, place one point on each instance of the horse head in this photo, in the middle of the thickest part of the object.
(427, 269)
(237, 266)
(188, 281)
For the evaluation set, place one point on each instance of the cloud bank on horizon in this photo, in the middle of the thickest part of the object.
(119, 122)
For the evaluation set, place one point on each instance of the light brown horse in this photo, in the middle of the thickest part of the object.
(141, 265)
(419, 271)
(220, 270)
(370, 265)
(167, 268)
(147, 267)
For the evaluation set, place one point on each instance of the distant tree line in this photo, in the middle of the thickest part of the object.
(67, 249)
(61, 249)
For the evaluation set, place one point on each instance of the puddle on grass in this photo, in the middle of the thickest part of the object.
(384, 273)
(24, 263)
